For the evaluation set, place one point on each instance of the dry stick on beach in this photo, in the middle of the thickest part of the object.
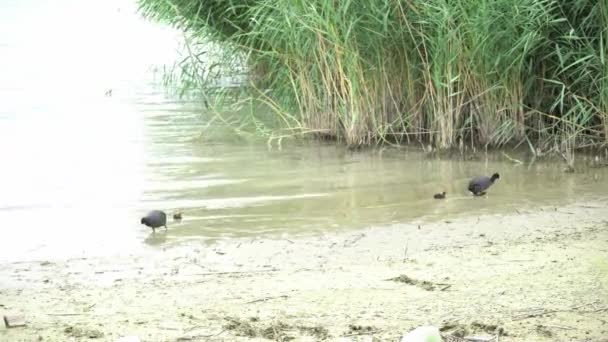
(559, 326)
(198, 337)
(372, 332)
(266, 298)
(445, 287)
(235, 272)
(199, 265)
(542, 312)
(590, 207)
(354, 240)
(239, 272)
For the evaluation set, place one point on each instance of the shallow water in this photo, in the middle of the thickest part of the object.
(80, 168)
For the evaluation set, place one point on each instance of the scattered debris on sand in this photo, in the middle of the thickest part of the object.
(423, 284)
(78, 332)
(458, 332)
(276, 330)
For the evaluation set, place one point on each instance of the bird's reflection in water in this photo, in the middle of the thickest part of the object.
(155, 239)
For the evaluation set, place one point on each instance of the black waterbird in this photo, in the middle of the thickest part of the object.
(155, 219)
(480, 184)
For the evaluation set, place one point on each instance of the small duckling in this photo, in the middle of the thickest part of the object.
(439, 195)
(177, 216)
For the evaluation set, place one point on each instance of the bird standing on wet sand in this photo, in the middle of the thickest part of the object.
(480, 184)
(155, 219)
(439, 195)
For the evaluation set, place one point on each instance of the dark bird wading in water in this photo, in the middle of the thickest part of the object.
(480, 184)
(155, 219)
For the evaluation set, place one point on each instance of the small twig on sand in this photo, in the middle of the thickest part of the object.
(266, 298)
(65, 314)
(372, 332)
(168, 328)
(353, 241)
(481, 338)
(405, 251)
(201, 266)
(559, 326)
(445, 287)
(238, 272)
(542, 312)
(196, 337)
(590, 207)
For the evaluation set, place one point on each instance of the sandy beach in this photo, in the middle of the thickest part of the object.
(538, 275)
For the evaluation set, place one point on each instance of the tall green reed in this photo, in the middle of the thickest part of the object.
(447, 73)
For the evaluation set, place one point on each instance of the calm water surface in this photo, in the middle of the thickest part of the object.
(80, 168)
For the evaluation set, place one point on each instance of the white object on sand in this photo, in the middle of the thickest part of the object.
(423, 334)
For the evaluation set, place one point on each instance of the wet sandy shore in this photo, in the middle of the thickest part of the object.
(540, 275)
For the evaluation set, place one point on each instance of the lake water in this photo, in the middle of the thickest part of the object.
(80, 168)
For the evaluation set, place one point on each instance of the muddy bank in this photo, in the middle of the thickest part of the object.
(532, 276)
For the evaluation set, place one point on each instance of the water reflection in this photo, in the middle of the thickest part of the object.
(80, 168)
(310, 187)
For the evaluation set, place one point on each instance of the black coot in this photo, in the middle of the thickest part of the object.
(479, 185)
(439, 195)
(155, 219)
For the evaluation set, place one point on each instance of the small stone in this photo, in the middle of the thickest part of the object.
(14, 321)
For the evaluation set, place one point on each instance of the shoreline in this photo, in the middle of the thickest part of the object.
(539, 275)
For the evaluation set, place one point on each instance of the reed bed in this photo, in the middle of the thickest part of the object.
(479, 73)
